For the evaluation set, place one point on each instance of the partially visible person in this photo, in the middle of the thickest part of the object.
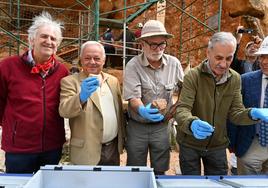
(74, 69)
(150, 77)
(33, 131)
(138, 31)
(210, 95)
(108, 38)
(251, 62)
(138, 34)
(250, 143)
(109, 48)
(92, 101)
(130, 39)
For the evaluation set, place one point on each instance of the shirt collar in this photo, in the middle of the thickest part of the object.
(104, 77)
(265, 77)
(30, 58)
(223, 79)
(144, 61)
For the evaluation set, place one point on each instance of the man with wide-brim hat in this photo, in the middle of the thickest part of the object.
(149, 82)
(154, 28)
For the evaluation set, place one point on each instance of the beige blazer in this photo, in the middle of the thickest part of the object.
(86, 121)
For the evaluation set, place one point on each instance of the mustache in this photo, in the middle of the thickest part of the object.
(48, 46)
(92, 65)
(221, 67)
(160, 53)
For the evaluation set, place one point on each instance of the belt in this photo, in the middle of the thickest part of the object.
(110, 142)
(151, 122)
(158, 122)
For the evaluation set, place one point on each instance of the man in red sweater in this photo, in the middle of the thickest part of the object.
(33, 131)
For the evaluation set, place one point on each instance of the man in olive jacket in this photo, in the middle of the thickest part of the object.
(211, 93)
(92, 101)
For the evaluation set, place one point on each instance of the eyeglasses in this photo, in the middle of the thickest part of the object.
(154, 46)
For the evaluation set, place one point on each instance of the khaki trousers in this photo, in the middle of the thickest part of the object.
(255, 160)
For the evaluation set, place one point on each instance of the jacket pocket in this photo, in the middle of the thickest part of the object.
(77, 142)
(146, 86)
(147, 90)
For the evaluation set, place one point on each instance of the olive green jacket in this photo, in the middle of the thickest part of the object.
(202, 99)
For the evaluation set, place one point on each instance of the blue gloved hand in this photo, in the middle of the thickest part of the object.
(149, 113)
(88, 86)
(201, 129)
(259, 113)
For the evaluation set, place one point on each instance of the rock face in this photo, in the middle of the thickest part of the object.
(237, 8)
(105, 5)
(264, 20)
(254, 8)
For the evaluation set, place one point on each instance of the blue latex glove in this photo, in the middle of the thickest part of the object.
(149, 113)
(259, 113)
(201, 129)
(88, 86)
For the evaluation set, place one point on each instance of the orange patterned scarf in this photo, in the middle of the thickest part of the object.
(39, 68)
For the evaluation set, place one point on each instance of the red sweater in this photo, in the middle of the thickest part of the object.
(29, 107)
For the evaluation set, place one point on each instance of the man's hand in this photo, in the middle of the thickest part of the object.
(149, 113)
(259, 114)
(88, 86)
(257, 40)
(201, 129)
(239, 35)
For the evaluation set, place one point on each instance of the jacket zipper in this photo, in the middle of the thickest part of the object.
(14, 132)
(44, 110)
(213, 117)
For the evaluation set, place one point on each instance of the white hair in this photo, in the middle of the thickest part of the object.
(92, 43)
(223, 38)
(45, 19)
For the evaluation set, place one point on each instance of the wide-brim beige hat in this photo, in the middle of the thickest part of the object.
(154, 28)
(263, 50)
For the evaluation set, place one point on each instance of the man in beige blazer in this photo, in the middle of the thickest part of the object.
(92, 102)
